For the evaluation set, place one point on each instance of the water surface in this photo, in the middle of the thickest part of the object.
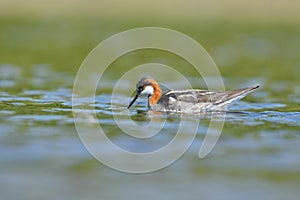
(257, 155)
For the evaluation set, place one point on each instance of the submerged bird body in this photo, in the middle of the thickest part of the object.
(186, 101)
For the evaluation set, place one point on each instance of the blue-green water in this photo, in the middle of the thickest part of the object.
(257, 155)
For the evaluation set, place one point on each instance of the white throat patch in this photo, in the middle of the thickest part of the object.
(148, 90)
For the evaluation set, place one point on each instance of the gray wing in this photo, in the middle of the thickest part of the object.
(203, 98)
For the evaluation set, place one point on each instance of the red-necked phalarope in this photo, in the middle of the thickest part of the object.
(186, 101)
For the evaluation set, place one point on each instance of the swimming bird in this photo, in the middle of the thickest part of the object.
(186, 101)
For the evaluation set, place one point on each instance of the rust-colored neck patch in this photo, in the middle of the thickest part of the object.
(156, 93)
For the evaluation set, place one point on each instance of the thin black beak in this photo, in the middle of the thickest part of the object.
(134, 99)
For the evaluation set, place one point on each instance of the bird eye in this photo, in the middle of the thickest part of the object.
(141, 88)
